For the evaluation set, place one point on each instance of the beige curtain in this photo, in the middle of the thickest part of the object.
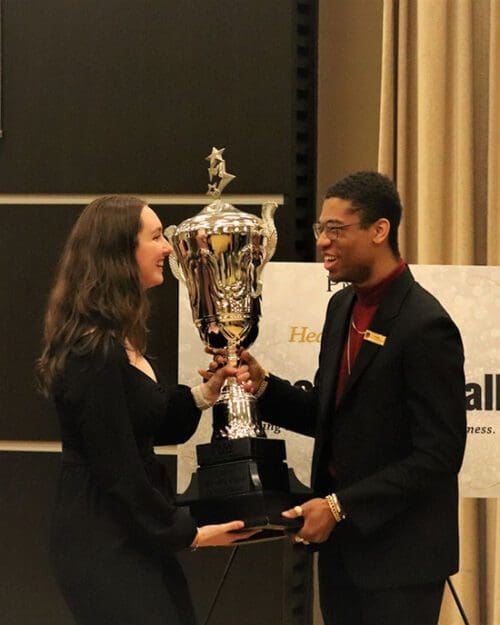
(440, 141)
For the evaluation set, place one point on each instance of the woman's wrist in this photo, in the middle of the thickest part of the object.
(200, 396)
(196, 542)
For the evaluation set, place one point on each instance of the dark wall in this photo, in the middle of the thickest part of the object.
(130, 95)
(107, 96)
(31, 238)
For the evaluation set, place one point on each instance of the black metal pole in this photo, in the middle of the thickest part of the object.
(457, 601)
(221, 583)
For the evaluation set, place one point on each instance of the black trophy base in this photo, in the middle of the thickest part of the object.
(245, 479)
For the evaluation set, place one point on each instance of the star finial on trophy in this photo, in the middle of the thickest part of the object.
(215, 155)
(217, 169)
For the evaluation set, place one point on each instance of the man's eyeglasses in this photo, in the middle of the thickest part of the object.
(331, 231)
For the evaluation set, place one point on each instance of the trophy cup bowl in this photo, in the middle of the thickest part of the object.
(220, 254)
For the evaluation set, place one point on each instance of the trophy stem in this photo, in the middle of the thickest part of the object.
(232, 354)
(235, 414)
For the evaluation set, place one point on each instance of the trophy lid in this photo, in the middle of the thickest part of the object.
(219, 217)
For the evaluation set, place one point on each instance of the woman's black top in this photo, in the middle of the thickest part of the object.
(115, 525)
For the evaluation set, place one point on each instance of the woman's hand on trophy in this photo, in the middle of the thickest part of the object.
(222, 534)
(214, 378)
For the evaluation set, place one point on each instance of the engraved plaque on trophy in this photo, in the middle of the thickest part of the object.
(220, 254)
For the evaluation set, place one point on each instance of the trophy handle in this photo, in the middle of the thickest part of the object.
(173, 262)
(175, 268)
(268, 210)
(257, 291)
(269, 230)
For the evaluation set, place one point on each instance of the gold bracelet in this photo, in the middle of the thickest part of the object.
(335, 507)
(338, 506)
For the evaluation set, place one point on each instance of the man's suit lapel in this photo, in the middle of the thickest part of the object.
(334, 342)
(333, 345)
(381, 324)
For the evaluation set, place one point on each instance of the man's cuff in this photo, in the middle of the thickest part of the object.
(262, 386)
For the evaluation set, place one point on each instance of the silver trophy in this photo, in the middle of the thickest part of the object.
(220, 254)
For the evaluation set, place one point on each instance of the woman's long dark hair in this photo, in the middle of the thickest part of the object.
(97, 293)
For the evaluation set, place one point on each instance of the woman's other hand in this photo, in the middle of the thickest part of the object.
(222, 534)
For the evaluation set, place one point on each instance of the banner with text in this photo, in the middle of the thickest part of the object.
(294, 302)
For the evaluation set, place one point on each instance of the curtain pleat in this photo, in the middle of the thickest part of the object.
(439, 139)
(493, 220)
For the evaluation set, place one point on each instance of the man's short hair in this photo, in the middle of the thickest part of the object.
(374, 196)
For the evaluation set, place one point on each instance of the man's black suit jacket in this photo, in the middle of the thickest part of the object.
(396, 438)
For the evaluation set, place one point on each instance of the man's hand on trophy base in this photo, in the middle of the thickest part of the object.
(318, 520)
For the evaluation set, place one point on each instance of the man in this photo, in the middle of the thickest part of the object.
(388, 415)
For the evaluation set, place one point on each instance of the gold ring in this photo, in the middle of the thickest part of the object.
(299, 539)
(298, 510)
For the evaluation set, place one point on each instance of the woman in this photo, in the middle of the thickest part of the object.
(116, 526)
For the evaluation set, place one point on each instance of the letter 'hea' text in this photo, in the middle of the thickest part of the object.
(302, 334)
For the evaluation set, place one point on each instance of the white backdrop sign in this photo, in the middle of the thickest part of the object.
(295, 297)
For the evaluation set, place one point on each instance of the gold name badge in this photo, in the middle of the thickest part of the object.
(373, 337)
